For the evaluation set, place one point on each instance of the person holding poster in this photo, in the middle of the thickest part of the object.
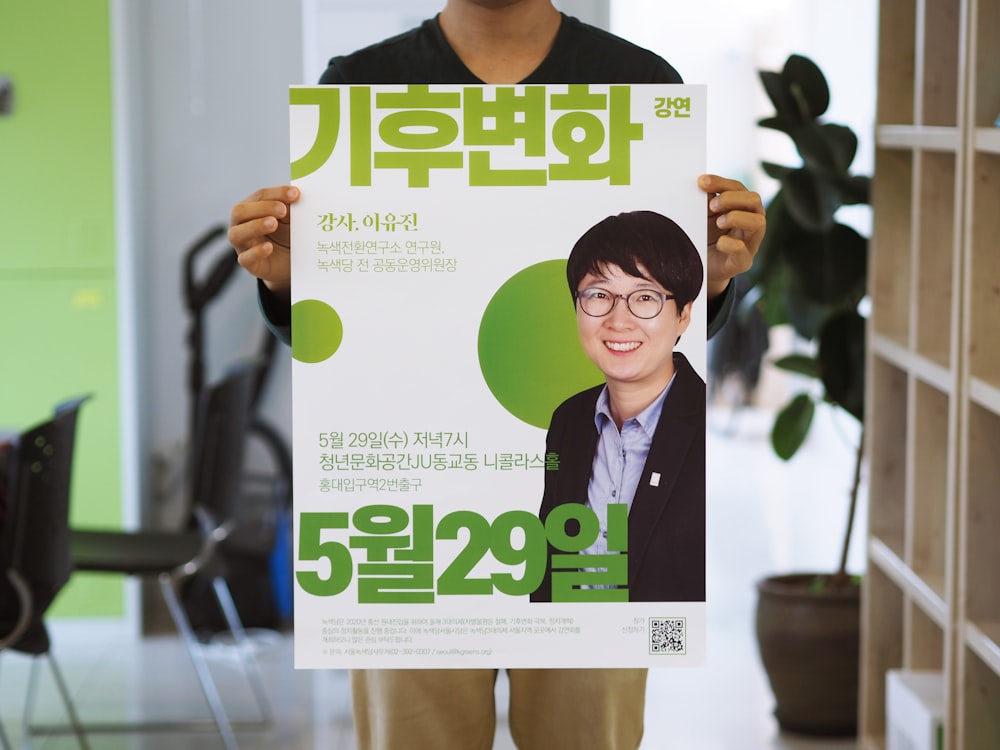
(633, 278)
(497, 42)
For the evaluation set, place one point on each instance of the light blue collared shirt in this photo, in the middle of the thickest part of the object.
(619, 459)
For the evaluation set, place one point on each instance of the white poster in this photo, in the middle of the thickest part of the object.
(434, 334)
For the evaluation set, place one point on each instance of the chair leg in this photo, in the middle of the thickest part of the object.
(4, 742)
(225, 598)
(31, 695)
(198, 660)
(74, 720)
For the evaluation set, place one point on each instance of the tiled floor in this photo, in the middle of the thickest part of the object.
(763, 517)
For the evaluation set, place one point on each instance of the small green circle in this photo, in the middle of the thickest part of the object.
(317, 331)
(529, 350)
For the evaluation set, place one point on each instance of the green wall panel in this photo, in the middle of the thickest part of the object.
(56, 168)
(63, 350)
(57, 253)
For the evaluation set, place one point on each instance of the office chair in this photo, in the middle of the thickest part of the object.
(209, 266)
(172, 557)
(34, 544)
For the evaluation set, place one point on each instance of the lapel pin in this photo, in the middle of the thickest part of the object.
(654, 479)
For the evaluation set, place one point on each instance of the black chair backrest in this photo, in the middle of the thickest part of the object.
(224, 414)
(34, 541)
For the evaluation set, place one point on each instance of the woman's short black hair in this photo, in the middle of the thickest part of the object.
(639, 238)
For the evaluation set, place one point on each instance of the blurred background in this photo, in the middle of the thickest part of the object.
(135, 125)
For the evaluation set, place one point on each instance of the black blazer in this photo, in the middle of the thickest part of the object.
(666, 524)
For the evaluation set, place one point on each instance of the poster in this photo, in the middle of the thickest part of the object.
(434, 333)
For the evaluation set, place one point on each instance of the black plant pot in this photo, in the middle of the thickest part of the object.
(809, 643)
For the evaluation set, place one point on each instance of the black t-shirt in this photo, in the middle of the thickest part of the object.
(580, 54)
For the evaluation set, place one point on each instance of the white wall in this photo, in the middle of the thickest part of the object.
(206, 102)
(725, 44)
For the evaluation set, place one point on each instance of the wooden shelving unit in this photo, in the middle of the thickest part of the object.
(932, 600)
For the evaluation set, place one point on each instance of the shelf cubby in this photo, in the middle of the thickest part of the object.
(984, 273)
(982, 511)
(927, 519)
(887, 469)
(891, 259)
(924, 640)
(934, 311)
(980, 697)
(986, 71)
(896, 61)
(939, 72)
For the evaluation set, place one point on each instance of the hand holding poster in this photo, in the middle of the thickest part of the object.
(435, 332)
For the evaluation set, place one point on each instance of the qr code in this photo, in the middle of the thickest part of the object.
(668, 636)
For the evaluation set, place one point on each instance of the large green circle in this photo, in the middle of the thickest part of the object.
(529, 351)
(317, 331)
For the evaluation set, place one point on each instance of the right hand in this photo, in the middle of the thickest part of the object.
(260, 232)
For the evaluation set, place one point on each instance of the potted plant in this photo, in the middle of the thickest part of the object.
(811, 274)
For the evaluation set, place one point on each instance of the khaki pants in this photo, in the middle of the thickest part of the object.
(453, 709)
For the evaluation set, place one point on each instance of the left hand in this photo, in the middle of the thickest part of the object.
(736, 225)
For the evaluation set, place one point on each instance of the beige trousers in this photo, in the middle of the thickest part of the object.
(453, 709)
